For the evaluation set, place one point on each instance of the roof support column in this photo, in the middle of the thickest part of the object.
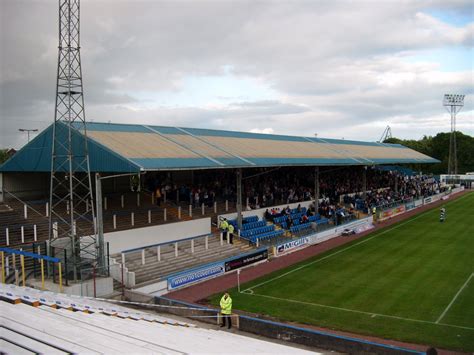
(1, 187)
(99, 224)
(239, 198)
(316, 189)
(364, 182)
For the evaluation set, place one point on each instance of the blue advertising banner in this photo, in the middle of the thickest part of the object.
(195, 275)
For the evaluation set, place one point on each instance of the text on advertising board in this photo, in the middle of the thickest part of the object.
(282, 248)
(246, 260)
(195, 275)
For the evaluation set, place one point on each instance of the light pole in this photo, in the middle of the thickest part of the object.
(453, 104)
(28, 131)
(238, 280)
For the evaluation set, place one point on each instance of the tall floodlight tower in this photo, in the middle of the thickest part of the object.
(72, 224)
(453, 104)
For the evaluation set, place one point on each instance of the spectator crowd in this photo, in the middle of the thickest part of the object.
(266, 188)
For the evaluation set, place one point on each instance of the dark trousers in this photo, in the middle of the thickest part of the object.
(231, 238)
(226, 318)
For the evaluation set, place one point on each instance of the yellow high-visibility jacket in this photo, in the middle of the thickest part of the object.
(224, 225)
(226, 305)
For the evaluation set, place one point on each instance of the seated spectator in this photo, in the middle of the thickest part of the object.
(268, 216)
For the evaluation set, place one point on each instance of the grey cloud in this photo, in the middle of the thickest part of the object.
(323, 59)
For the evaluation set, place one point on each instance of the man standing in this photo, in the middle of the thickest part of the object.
(442, 214)
(230, 233)
(226, 310)
(158, 195)
(223, 226)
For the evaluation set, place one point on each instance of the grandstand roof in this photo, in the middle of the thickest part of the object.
(136, 147)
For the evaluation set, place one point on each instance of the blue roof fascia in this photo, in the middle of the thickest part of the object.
(406, 161)
(203, 163)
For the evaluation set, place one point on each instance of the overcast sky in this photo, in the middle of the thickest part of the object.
(335, 68)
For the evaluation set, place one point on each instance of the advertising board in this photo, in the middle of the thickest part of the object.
(195, 275)
(291, 245)
(391, 212)
(245, 260)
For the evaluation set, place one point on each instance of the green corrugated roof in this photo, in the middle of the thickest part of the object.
(121, 148)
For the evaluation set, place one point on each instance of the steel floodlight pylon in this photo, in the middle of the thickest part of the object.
(453, 104)
(72, 223)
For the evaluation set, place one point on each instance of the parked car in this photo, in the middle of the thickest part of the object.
(347, 232)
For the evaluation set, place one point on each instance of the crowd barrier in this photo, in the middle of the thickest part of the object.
(5, 268)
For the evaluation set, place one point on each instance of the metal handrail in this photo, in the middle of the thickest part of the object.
(163, 243)
(24, 203)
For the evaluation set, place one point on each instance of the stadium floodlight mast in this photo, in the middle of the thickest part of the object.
(73, 232)
(453, 104)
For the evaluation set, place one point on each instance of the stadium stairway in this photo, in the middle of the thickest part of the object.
(44, 322)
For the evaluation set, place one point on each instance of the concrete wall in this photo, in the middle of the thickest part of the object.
(289, 333)
(141, 237)
(121, 274)
(313, 338)
(155, 289)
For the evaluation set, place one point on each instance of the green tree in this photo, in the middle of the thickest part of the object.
(438, 147)
(3, 156)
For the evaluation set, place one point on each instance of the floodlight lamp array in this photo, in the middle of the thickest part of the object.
(453, 100)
